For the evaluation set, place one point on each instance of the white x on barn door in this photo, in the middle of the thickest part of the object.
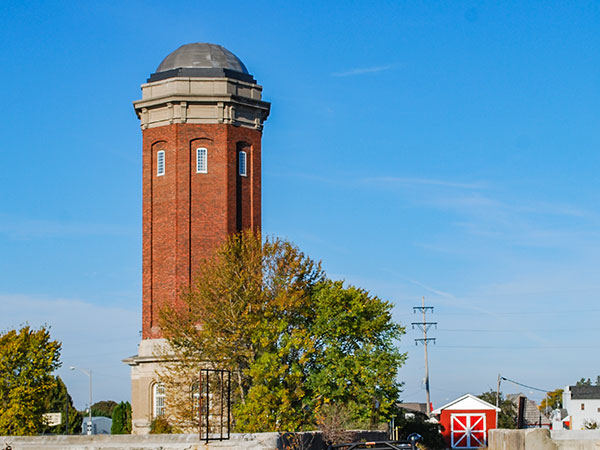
(467, 430)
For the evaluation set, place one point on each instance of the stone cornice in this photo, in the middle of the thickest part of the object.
(201, 100)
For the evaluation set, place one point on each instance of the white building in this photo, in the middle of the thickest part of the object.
(100, 425)
(583, 406)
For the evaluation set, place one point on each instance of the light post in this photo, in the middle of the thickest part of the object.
(89, 374)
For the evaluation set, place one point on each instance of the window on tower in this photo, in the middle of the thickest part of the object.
(201, 160)
(160, 163)
(242, 164)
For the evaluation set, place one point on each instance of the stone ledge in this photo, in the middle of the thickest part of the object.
(257, 441)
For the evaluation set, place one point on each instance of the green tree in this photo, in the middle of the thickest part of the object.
(552, 400)
(59, 400)
(507, 417)
(103, 408)
(121, 419)
(588, 382)
(27, 359)
(269, 315)
(356, 358)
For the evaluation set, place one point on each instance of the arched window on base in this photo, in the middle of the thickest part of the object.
(158, 399)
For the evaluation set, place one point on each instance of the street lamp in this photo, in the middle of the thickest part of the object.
(89, 374)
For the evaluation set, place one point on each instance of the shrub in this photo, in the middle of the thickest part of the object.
(160, 425)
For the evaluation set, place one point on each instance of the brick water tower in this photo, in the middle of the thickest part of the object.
(202, 116)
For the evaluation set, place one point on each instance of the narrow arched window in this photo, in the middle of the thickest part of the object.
(160, 163)
(243, 170)
(201, 160)
(158, 399)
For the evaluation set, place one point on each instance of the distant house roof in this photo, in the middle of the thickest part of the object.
(533, 416)
(417, 407)
(585, 392)
(466, 402)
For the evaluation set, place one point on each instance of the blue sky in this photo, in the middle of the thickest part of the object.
(438, 149)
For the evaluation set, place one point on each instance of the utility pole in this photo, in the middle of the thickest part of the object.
(498, 392)
(424, 326)
(89, 374)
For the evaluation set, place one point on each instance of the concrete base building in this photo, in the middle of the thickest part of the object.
(202, 117)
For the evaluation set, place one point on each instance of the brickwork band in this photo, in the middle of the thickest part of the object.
(187, 213)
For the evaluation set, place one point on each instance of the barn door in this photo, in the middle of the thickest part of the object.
(467, 430)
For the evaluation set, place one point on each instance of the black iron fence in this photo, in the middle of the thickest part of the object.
(214, 405)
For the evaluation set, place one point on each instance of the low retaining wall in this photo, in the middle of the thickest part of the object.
(258, 441)
(541, 439)
(238, 441)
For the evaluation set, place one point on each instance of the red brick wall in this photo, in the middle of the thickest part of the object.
(187, 214)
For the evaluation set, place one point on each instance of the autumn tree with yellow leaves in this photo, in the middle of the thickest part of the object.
(293, 340)
(27, 359)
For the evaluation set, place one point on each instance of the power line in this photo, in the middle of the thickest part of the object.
(520, 347)
(513, 330)
(525, 385)
(512, 313)
(499, 314)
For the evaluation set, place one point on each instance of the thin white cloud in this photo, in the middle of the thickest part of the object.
(348, 179)
(424, 181)
(362, 71)
(486, 211)
(25, 228)
(432, 290)
(553, 209)
(93, 336)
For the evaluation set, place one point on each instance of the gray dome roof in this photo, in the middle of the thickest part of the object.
(202, 56)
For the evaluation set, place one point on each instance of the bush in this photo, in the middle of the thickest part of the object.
(334, 421)
(160, 425)
(432, 438)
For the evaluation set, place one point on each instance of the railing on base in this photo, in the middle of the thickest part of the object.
(214, 405)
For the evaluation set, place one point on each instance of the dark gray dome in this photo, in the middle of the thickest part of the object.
(202, 56)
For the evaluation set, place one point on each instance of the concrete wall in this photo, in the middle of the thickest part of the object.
(541, 439)
(258, 441)
(238, 441)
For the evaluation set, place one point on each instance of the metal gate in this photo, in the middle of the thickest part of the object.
(214, 404)
(467, 430)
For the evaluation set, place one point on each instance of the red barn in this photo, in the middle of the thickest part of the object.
(466, 421)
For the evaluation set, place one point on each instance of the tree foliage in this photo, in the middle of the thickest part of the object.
(104, 408)
(59, 400)
(27, 359)
(507, 417)
(552, 400)
(121, 419)
(588, 382)
(293, 340)
(161, 425)
(356, 359)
